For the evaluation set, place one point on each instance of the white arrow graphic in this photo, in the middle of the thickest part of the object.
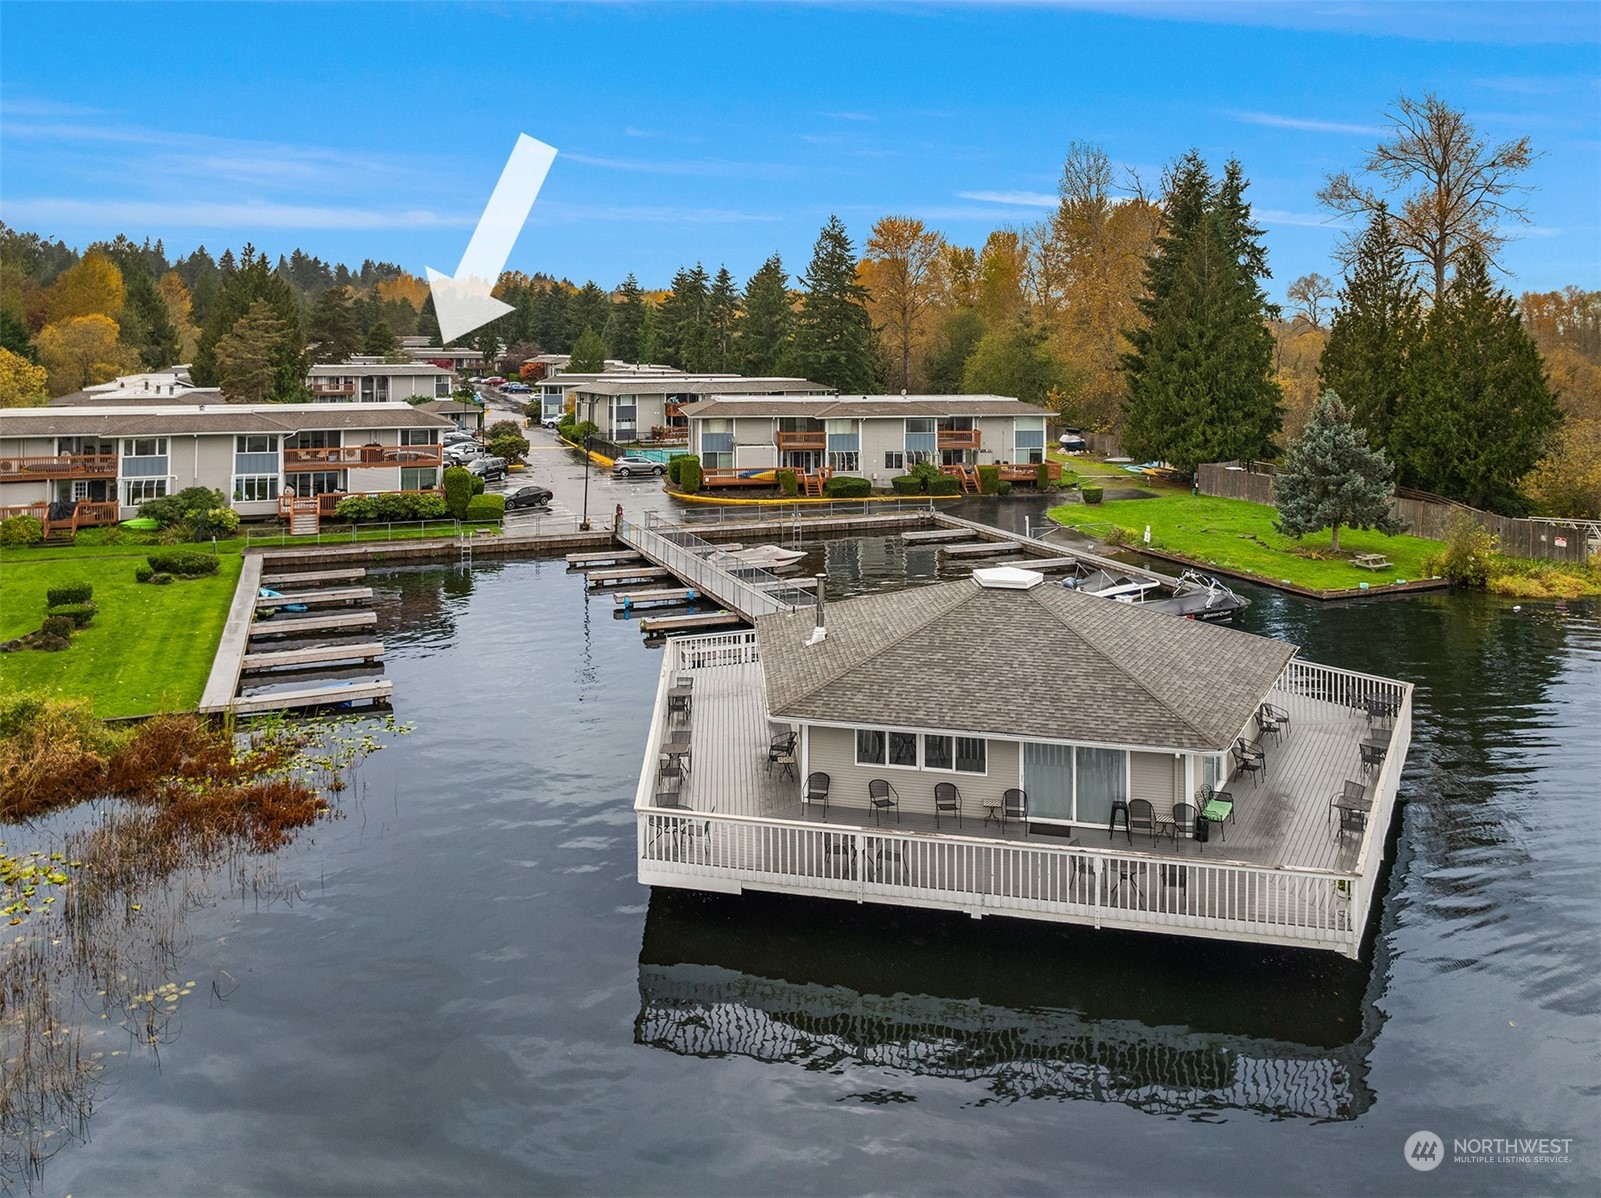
(462, 302)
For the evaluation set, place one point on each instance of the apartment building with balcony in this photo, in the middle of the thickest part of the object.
(379, 382)
(633, 409)
(99, 464)
(870, 436)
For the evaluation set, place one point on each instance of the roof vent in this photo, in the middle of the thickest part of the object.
(1007, 578)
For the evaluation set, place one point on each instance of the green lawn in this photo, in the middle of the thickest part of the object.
(149, 648)
(1240, 537)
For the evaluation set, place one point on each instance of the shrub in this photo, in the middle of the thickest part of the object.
(61, 626)
(675, 465)
(989, 478)
(1116, 534)
(113, 535)
(533, 411)
(1090, 494)
(142, 573)
(186, 505)
(1042, 476)
(81, 614)
(186, 563)
(788, 484)
(486, 507)
(502, 428)
(1004, 487)
(907, 484)
(458, 490)
(394, 505)
(72, 592)
(215, 522)
(945, 485)
(1468, 550)
(689, 475)
(21, 530)
(847, 487)
(355, 508)
(429, 507)
(160, 579)
(480, 484)
(513, 447)
(50, 644)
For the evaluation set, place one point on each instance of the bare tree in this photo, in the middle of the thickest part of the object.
(1308, 294)
(1456, 191)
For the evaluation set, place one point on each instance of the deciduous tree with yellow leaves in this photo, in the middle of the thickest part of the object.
(22, 384)
(902, 271)
(82, 351)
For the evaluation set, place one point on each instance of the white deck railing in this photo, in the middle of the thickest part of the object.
(750, 592)
(1101, 887)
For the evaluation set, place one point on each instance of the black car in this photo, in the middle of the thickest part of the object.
(527, 497)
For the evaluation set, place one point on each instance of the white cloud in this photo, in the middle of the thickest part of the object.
(1277, 121)
(1310, 220)
(717, 168)
(1021, 199)
(154, 214)
(849, 116)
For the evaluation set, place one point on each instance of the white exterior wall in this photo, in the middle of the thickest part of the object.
(833, 751)
(754, 447)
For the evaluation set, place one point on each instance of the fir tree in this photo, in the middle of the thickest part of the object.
(333, 327)
(649, 350)
(1476, 412)
(380, 340)
(681, 323)
(587, 308)
(1374, 331)
(764, 332)
(550, 320)
(589, 353)
(627, 320)
(15, 337)
(833, 332)
(1200, 385)
(428, 322)
(722, 315)
(146, 322)
(247, 355)
(239, 286)
(1331, 478)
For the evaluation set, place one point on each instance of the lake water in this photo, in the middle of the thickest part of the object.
(464, 990)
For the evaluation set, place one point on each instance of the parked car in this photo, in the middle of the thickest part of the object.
(627, 467)
(551, 421)
(458, 436)
(516, 388)
(487, 467)
(494, 380)
(527, 497)
(463, 452)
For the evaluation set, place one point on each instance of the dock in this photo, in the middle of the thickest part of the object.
(338, 595)
(604, 578)
(314, 577)
(938, 534)
(317, 654)
(672, 595)
(979, 548)
(659, 624)
(376, 692)
(300, 625)
(605, 557)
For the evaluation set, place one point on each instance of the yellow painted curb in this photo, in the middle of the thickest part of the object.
(786, 501)
(601, 458)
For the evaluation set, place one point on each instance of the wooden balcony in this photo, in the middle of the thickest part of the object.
(333, 388)
(338, 457)
(958, 438)
(85, 513)
(813, 441)
(60, 465)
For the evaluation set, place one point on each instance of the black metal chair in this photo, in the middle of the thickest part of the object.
(1014, 805)
(1350, 792)
(1277, 714)
(817, 791)
(881, 795)
(782, 745)
(1217, 806)
(1267, 723)
(1142, 817)
(1372, 756)
(947, 801)
(1252, 761)
(1352, 821)
(1184, 817)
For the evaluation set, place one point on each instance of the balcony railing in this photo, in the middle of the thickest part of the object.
(85, 513)
(333, 388)
(335, 457)
(816, 442)
(60, 465)
(958, 438)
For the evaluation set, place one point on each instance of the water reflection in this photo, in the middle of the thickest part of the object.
(1020, 1012)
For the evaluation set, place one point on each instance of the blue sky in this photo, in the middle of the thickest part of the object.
(724, 133)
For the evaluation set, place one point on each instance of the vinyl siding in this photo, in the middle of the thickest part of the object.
(833, 751)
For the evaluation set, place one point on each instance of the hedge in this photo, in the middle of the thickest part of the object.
(907, 484)
(57, 626)
(21, 530)
(1042, 476)
(989, 479)
(142, 573)
(1004, 487)
(945, 485)
(689, 475)
(847, 487)
(160, 579)
(675, 464)
(72, 592)
(186, 563)
(458, 490)
(788, 484)
(1090, 494)
(486, 507)
(79, 613)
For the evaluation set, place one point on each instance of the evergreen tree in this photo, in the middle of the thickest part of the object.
(1015, 362)
(1375, 330)
(589, 353)
(247, 355)
(722, 316)
(587, 308)
(765, 330)
(1476, 412)
(550, 320)
(681, 323)
(239, 286)
(146, 321)
(626, 320)
(649, 350)
(333, 327)
(380, 340)
(15, 337)
(833, 333)
(428, 322)
(953, 345)
(1331, 477)
(1200, 373)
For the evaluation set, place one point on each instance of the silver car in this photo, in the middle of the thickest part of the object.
(628, 467)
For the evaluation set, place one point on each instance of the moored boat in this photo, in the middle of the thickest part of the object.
(1192, 596)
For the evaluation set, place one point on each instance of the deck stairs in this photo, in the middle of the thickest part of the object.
(967, 476)
(304, 515)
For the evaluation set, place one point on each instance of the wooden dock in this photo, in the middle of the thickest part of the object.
(332, 695)
(337, 595)
(314, 577)
(673, 595)
(316, 655)
(223, 681)
(604, 578)
(299, 626)
(660, 624)
(939, 534)
(607, 557)
(979, 548)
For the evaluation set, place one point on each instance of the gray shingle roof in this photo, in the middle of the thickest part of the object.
(229, 418)
(1046, 662)
(840, 407)
(701, 385)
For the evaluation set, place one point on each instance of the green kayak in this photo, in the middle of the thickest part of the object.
(142, 524)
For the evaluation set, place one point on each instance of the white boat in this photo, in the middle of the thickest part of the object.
(767, 557)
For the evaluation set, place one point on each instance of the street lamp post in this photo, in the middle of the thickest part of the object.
(583, 525)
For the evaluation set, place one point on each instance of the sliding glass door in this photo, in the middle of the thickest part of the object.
(1073, 784)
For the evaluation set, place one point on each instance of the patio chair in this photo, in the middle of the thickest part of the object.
(782, 745)
(1014, 805)
(1352, 821)
(1350, 792)
(1267, 724)
(1253, 762)
(1277, 714)
(947, 801)
(882, 795)
(1372, 756)
(1142, 816)
(817, 791)
(1184, 816)
(1217, 807)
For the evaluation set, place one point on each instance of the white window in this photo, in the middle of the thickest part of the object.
(255, 453)
(1028, 436)
(254, 488)
(137, 490)
(869, 746)
(922, 440)
(419, 436)
(900, 750)
(717, 443)
(145, 457)
(418, 478)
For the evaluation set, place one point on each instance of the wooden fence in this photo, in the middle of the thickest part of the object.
(1427, 515)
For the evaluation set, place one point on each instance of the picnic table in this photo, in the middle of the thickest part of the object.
(1371, 561)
